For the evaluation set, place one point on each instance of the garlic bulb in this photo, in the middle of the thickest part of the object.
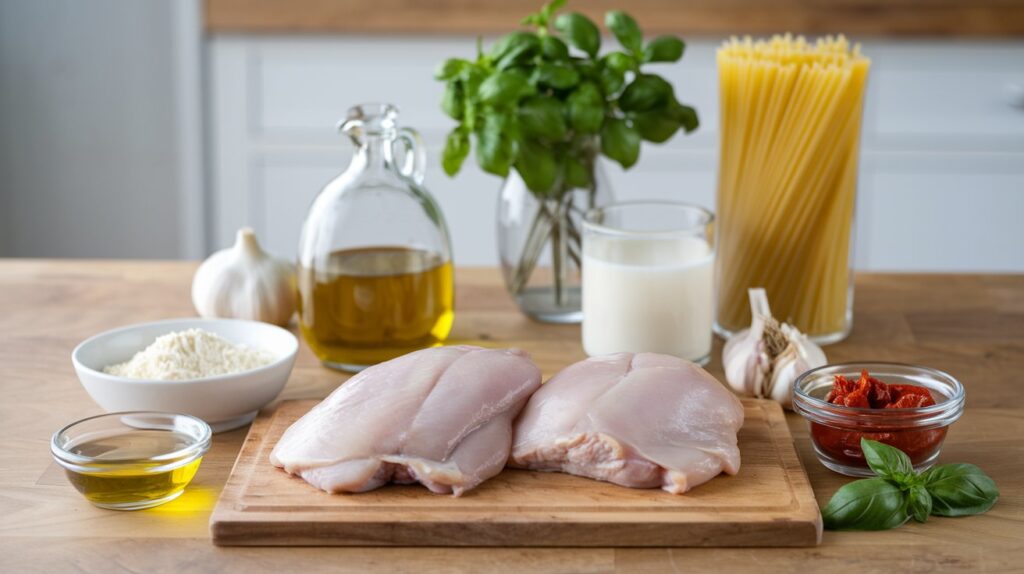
(766, 359)
(243, 282)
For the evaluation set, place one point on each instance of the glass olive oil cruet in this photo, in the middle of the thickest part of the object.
(375, 268)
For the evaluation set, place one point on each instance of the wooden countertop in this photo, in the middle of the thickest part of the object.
(969, 325)
(857, 18)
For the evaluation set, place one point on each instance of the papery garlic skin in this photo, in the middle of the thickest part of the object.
(746, 364)
(244, 282)
(765, 360)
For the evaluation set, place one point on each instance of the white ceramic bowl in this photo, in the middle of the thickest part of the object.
(225, 402)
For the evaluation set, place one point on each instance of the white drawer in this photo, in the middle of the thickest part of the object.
(951, 212)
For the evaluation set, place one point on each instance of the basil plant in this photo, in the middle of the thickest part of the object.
(545, 102)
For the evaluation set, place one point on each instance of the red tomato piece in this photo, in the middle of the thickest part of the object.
(841, 387)
(911, 401)
(879, 395)
(858, 398)
(900, 390)
(869, 392)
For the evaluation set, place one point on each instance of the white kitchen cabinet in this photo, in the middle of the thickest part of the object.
(941, 179)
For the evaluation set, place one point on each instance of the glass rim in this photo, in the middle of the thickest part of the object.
(823, 412)
(371, 118)
(200, 444)
(708, 217)
(364, 110)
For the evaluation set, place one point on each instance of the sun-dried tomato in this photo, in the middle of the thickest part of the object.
(879, 394)
(858, 398)
(911, 401)
(901, 391)
(869, 392)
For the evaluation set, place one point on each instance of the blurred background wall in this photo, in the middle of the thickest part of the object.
(155, 128)
(100, 134)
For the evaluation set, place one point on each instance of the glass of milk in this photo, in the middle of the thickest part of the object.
(647, 279)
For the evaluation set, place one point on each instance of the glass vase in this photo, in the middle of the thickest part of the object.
(539, 243)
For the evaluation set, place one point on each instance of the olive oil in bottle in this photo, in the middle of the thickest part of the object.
(368, 305)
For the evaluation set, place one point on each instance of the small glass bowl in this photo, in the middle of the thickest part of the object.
(836, 430)
(131, 460)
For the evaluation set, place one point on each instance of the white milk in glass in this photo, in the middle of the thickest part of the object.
(647, 294)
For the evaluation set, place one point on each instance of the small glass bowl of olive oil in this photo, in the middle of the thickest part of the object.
(131, 460)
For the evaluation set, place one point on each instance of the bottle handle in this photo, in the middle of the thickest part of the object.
(414, 165)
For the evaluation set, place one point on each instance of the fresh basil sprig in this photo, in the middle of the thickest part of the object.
(899, 493)
(544, 101)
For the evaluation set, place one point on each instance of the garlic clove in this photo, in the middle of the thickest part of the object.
(759, 371)
(735, 358)
(788, 366)
(811, 353)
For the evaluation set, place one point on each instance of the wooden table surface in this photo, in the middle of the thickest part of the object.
(969, 325)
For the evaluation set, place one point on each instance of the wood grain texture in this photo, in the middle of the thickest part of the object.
(859, 18)
(47, 307)
(769, 503)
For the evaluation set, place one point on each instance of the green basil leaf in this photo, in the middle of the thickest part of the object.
(558, 76)
(577, 175)
(655, 126)
(453, 101)
(685, 115)
(581, 32)
(664, 49)
(645, 92)
(472, 76)
(586, 109)
(514, 48)
(494, 145)
(451, 68)
(888, 462)
(620, 142)
(551, 7)
(456, 148)
(543, 117)
(542, 17)
(612, 80)
(869, 504)
(532, 20)
(504, 88)
(960, 490)
(625, 29)
(536, 165)
(919, 503)
(553, 48)
(619, 61)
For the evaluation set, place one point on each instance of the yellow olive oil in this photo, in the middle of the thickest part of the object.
(123, 474)
(368, 305)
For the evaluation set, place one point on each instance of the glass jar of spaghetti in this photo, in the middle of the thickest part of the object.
(904, 406)
(787, 178)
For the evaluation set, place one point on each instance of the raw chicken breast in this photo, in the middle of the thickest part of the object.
(644, 421)
(440, 416)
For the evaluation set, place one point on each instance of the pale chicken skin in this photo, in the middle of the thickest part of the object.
(639, 420)
(440, 416)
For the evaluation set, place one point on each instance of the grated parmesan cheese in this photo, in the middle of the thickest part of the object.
(190, 354)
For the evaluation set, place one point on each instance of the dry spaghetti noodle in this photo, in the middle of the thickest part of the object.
(790, 130)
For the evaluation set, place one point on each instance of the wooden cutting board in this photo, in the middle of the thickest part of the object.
(769, 503)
